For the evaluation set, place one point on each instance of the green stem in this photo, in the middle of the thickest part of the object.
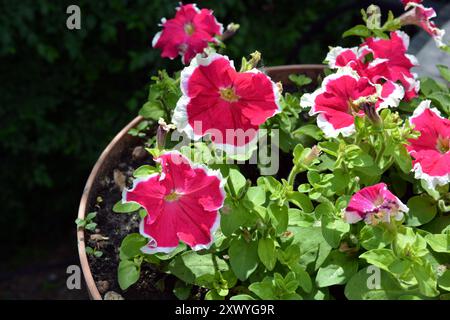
(292, 175)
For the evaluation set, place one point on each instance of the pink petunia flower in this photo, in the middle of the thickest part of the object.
(431, 151)
(340, 98)
(383, 61)
(374, 204)
(227, 105)
(420, 16)
(182, 203)
(406, 2)
(188, 33)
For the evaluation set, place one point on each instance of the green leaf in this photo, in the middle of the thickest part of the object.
(279, 217)
(402, 159)
(444, 280)
(98, 253)
(300, 200)
(91, 215)
(194, 268)
(332, 229)
(303, 278)
(256, 195)
(91, 226)
(152, 110)
(340, 181)
(310, 130)
(128, 273)
(237, 180)
(441, 100)
(425, 278)
(374, 285)
(300, 219)
(313, 247)
(439, 242)
(181, 290)
(444, 71)
(131, 246)
(80, 222)
(329, 147)
(267, 253)
(242, 297)
(243, 257)
(375, 237)
(263, 289)
(144, 171)
(337, 269)
(422, 209)
(381, 258)
(126, 207)
(359, 30)
(429, 86)
(236, 217)
(300, 79)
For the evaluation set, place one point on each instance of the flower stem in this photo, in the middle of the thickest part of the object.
(292, 175)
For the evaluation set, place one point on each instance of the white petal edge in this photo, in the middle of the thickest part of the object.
(156, 38)
(335, 52)
(352, 217)
(330, 131)
(394, 98)
(431, 181)
(424, 105)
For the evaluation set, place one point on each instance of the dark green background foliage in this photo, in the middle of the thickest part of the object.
(64, 94)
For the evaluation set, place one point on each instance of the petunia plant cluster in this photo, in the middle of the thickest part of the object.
(364, 210)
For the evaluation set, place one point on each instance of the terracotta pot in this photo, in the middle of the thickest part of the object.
(109, 159)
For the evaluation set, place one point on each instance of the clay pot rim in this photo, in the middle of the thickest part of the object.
(82, 210)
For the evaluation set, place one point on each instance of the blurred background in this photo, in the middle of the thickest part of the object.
(65, 93)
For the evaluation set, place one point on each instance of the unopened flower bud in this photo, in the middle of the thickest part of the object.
(232, 28)
(373, 17)
(161, 133)
(371, 113)
(312, 155)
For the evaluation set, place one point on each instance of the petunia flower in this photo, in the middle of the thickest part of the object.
(182, 203)
(339, 100)
(383, 61)
(188, 33)
(431, 151)
(420, 16)
(406, 2)
(374, 204)
(227, 105)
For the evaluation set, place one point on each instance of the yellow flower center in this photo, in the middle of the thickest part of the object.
(173, 196)
(228, 94)
(189, 28)
(443, 144)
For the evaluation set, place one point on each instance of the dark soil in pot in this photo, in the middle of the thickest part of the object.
(152, 284)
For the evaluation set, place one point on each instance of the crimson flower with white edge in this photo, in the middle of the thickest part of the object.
(374, 204)
(188, 33)
(406, 2)
(431, 151)
(383, 61)
(339, 100)
(182, 203)
(227, 105)
(420, 16)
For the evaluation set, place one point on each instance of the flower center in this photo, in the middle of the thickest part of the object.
(383, 211)
(443, 144)
(189, 28)
(228, 94)
(173, 196)
(353, 108)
